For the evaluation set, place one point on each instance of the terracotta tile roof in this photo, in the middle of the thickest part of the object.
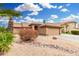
(51, 25)
(55, 25)
(18, 25)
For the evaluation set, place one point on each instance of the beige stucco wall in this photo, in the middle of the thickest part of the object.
(52, 31)
(49, 31)
(69, 28)
(16, 31)
(42, 31)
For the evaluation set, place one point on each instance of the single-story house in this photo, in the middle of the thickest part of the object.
(18, 26)
(46, 29)
(35, 26)
(43, 29)
(67, 26)
(50, 29)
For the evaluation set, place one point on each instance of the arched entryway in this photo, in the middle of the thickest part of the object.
(36, 27)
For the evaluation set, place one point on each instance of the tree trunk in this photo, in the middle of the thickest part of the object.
(10, 24)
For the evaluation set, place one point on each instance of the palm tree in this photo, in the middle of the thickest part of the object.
(10, 13)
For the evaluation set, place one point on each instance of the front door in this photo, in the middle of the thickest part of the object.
(36, 27)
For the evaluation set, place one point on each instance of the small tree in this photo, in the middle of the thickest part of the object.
(10, 13)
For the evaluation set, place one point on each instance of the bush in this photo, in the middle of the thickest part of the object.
(3, 29)
(28, 34)
(67, 32)
(75, 32)
(6, 39)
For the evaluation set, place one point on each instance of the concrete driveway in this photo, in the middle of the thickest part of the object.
(69, 37)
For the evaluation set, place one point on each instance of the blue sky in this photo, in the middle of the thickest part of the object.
(51, 12)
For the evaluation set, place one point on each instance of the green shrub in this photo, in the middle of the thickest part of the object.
(75, 32)
(3, 29)
(28, 34)
(6, 39)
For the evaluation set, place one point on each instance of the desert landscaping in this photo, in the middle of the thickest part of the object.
(36, 29)
(44, 46)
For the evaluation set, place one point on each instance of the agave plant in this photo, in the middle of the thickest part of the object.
(6, 39)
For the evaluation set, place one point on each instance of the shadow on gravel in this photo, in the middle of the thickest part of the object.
(54, 46)
(38, 44)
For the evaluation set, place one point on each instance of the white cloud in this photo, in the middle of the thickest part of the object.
(4, 19)
(30, 20)
(67, 19)
(14, 21)
(54, 6)
(47, 5)
(54, 16)
(50, 21)
(19, 21)
(27, 17)
(51, 18)
(60, 7)
(34, 13)
(29, 7)
(68, 4)
(74, 16)
(20, 16)
(64, 10)
(77, 13)
(70, 18)
(22, 20)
